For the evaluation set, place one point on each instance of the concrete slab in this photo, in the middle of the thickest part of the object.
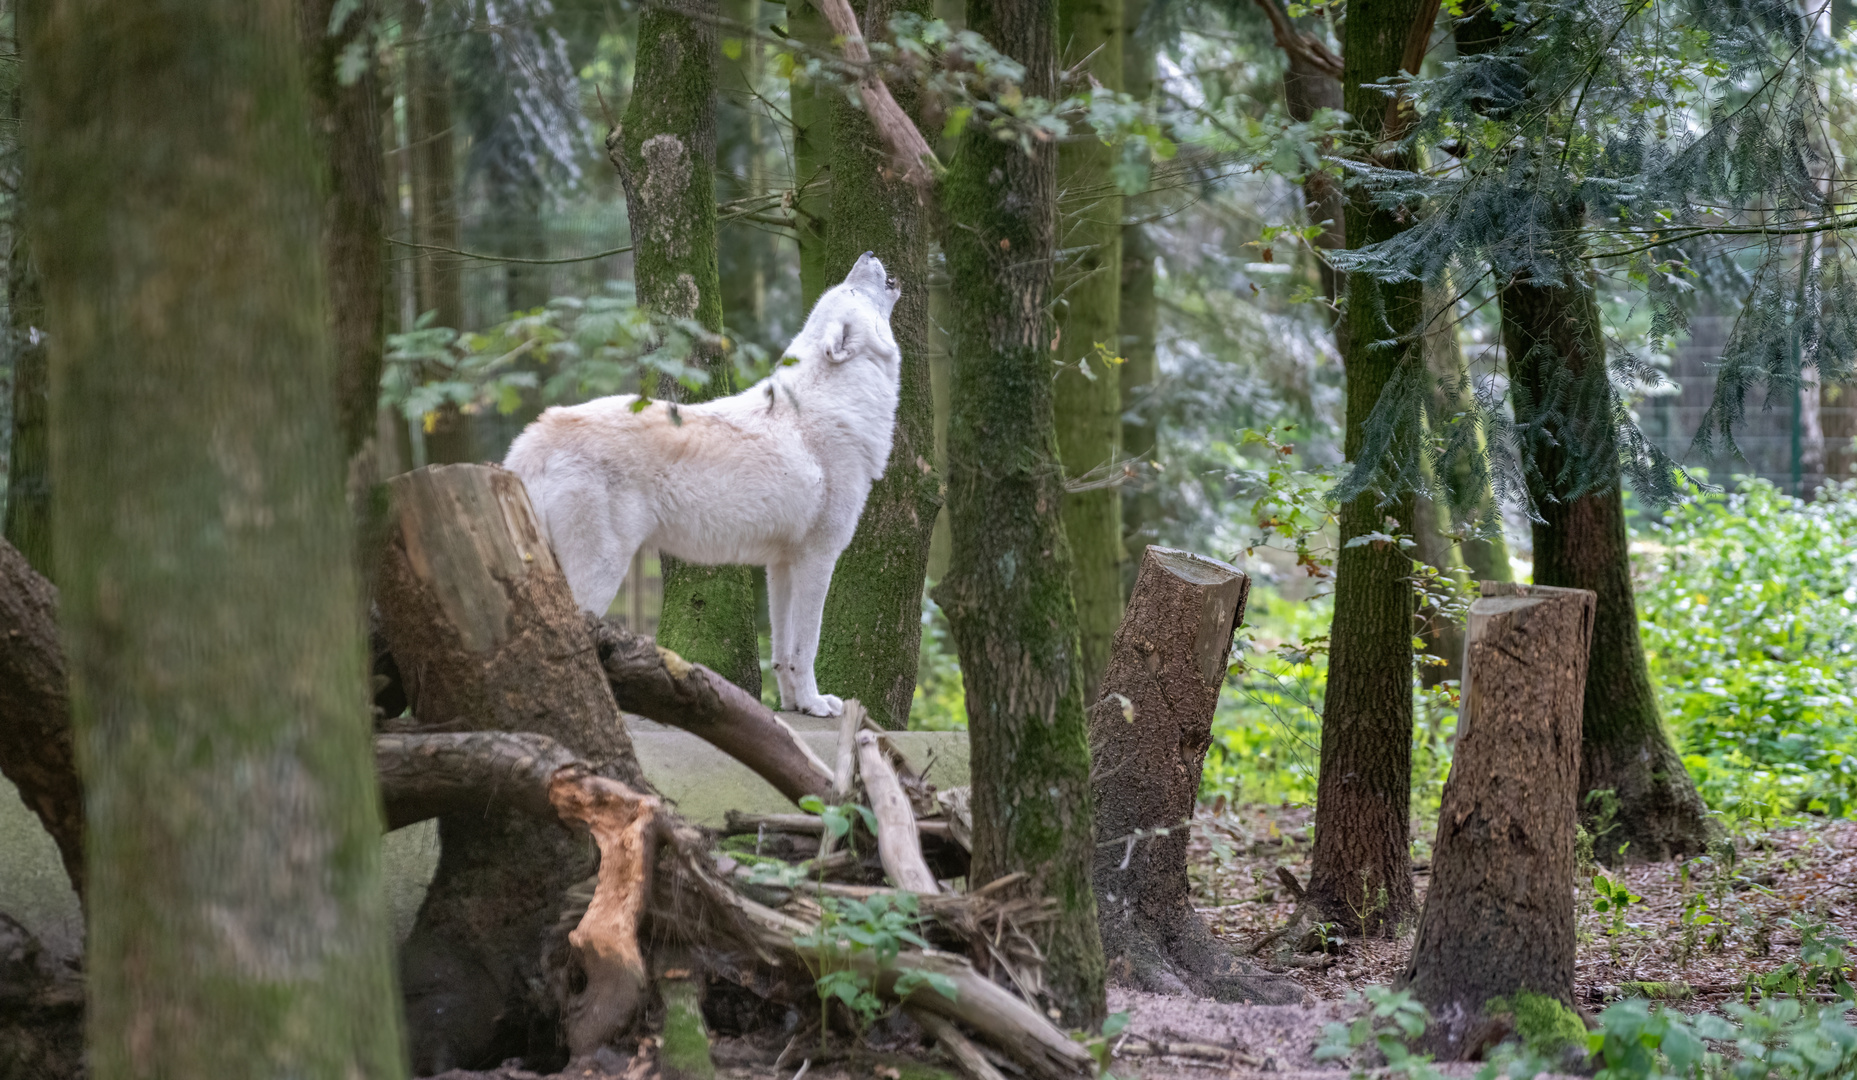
(703, 782)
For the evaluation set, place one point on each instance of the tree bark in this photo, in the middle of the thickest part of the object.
(36, 751)
(1361, 876)
(1089, 407)
(232, 816)
(872, 635)
(1499, 915)
(479, 617)
(1007, 594)
(1135, 319)
(813, 157)
(1557, 361)
(438, 275)
(29, 464)
(665, 153)
(1149, 734)
(346, 121)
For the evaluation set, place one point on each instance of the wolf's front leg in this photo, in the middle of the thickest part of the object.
(779, 617)
(811, 579)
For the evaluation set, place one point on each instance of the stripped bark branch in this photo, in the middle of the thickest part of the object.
(909, 151)
(898, 844)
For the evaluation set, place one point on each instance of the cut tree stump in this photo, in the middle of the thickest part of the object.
(1149, 732)
(1499, 916)
(487, 637)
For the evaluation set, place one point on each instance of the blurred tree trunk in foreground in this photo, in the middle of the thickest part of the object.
(237, 925)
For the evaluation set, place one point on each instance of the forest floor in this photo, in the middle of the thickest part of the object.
(1700, 930)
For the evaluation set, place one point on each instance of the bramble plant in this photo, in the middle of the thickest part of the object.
(851, 930)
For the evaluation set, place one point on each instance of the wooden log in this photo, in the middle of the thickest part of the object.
(736, 823)
(959, 1046)
(1149, 733)
(36, 748)
(424, 776)
(623, 823)
(1499, 915)
(660, 685)
(898, 845)
(486, 636)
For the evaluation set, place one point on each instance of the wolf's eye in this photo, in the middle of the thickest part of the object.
(890, 282)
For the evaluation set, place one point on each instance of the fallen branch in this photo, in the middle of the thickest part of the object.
(659, 685)
(844, 772)
(959, 1046)
(738, 823)
(428, 776)
(909, 151)
(898, 844)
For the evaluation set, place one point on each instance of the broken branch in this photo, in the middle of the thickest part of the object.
(898, 844)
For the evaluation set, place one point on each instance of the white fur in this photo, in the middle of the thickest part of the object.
(775, 475)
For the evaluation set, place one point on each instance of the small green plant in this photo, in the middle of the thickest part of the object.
(1392, 1020)
(1824, 964)
(1102, 1044)
(1779, 1039)
(857, 942)
(1612, 899)
(840, 817)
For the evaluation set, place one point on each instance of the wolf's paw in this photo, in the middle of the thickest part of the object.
(824, 705)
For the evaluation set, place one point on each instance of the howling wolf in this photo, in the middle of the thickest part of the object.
(775, 475)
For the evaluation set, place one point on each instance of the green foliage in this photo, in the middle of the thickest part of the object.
(877, 928)
(1748, 606)
(1392, 1020)
(587, 347)
(1780, 1038)
(940, 702)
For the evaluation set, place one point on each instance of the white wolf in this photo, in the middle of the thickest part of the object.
(775, 475)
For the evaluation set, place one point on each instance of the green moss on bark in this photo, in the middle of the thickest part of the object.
(872, 634)
(236, 924)
(667, 159)
(1089, 410)
(685, 1053)
(1007, 594)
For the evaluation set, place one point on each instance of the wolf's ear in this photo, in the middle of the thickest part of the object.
(837, 343)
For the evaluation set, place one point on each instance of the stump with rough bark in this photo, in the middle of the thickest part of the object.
(36, 748)
(1499, 917)
(1149, 732)
(487, 637)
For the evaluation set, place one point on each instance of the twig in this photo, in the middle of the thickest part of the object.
(899, 844)
(908, 149)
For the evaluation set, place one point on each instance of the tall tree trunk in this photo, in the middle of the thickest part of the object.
(438, 275)
(29, 466)
(346, 121)
(1135, 319)
(237, 924)
(666, 157)
(1089, 407)
(1487, 557)
(747, 249)
(872, 634)
(1361, 876)
(1007, 593)
(812, 155)
(1550, 333)
(1837, 408)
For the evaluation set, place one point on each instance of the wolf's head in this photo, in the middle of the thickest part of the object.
(868, 277)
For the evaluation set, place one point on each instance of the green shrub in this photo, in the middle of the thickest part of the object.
(1748, 603)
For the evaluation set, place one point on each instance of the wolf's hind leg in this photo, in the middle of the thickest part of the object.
(811, 580)
(595, 557)
(779, 615)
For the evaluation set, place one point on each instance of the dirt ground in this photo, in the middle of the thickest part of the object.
(1751, 920)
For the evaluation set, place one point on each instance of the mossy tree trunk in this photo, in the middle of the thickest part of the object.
(1007, 593)
(1361, 876)
(1556, 353)
(666, 156)
(29, 466)
(747, 249)
(438, 275)
(813, 130)
(1135, 321)
(236, 924)
(872, 634)
(1089, 283)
